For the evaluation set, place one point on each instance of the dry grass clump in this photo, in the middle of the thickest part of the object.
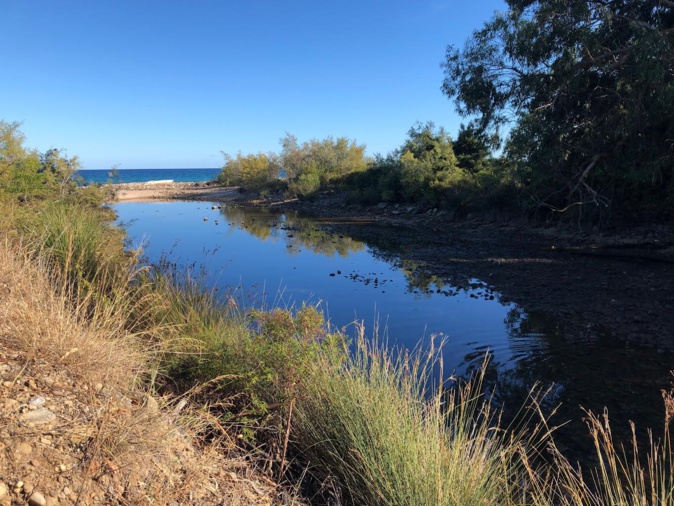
(45, 322)
(109, 440)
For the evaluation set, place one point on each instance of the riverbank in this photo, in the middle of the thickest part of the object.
(622, 283)
(78, 422)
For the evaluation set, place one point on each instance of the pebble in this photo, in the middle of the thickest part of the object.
(37, 499)
(37, 402)
(3, 490)
(151, 406)
(40, 415)
(23, 448)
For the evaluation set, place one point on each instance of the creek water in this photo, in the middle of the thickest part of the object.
(261, 258)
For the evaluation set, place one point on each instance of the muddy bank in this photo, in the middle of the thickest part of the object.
(622, 285)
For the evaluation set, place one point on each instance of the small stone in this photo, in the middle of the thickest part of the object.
(35, 463)
(23, 449)
(37, 499)
(11, 405)
(37, 402)
(27, 488)
(63, 469)
(3, 490)
(40, 415)
(67, 491)
(98, 387)
(151, 406)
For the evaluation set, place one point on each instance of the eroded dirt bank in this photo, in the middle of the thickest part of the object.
(619, 283)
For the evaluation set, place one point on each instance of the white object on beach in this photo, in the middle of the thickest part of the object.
(160, 181)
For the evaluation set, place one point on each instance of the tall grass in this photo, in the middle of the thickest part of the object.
(79, 243)
(622, 477)
(367, 421)
(370, 423)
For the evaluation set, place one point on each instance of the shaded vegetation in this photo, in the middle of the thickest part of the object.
(585, 90)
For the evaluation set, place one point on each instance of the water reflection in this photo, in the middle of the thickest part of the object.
(297, 233)
(365, 279)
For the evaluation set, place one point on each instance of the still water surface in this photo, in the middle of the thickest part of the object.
(273, 259)
(264, 258)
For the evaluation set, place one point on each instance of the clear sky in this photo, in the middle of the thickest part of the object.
(167, 83)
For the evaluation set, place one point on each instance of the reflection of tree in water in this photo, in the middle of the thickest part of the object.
(585, 367)
(259, 223)
(297, 233)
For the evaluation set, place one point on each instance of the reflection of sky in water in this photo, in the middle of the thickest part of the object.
(277, 262)
(280, 265)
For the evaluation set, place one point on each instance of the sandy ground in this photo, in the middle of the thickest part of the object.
(143, 192)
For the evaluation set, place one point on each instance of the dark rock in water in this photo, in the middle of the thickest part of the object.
(332, 274)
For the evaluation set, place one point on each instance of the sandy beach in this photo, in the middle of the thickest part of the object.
(140, 192)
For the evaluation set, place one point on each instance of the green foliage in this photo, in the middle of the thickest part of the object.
(254, 172)
(26, 174)
(370, 424)
(307, 184)
(426, 170)
(78, 242)
(472, 149)
(316, 163)
(588, 88)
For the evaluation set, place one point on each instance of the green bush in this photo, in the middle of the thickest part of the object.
(254, 172)
(306, 185)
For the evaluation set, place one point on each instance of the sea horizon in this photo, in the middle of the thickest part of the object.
(191, 175)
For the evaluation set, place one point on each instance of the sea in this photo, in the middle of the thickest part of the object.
(145, 175)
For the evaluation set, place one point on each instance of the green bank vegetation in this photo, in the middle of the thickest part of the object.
(360, 425)
(570, 115)
(307, 167)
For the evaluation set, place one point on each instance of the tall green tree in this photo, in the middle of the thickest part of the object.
(427, 163)
(21, 171)
(472, 149)
(586, 88)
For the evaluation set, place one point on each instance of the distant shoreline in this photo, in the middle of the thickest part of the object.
(162, 190)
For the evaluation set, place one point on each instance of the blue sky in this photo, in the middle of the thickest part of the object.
(147, 84)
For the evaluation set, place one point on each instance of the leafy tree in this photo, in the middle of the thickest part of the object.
(315, 163)
(21, 171)
(471, 148)
(427, 163)
(60, 170)
(254, 172)
(588, 89)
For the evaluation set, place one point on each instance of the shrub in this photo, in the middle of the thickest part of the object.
(254, 172)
